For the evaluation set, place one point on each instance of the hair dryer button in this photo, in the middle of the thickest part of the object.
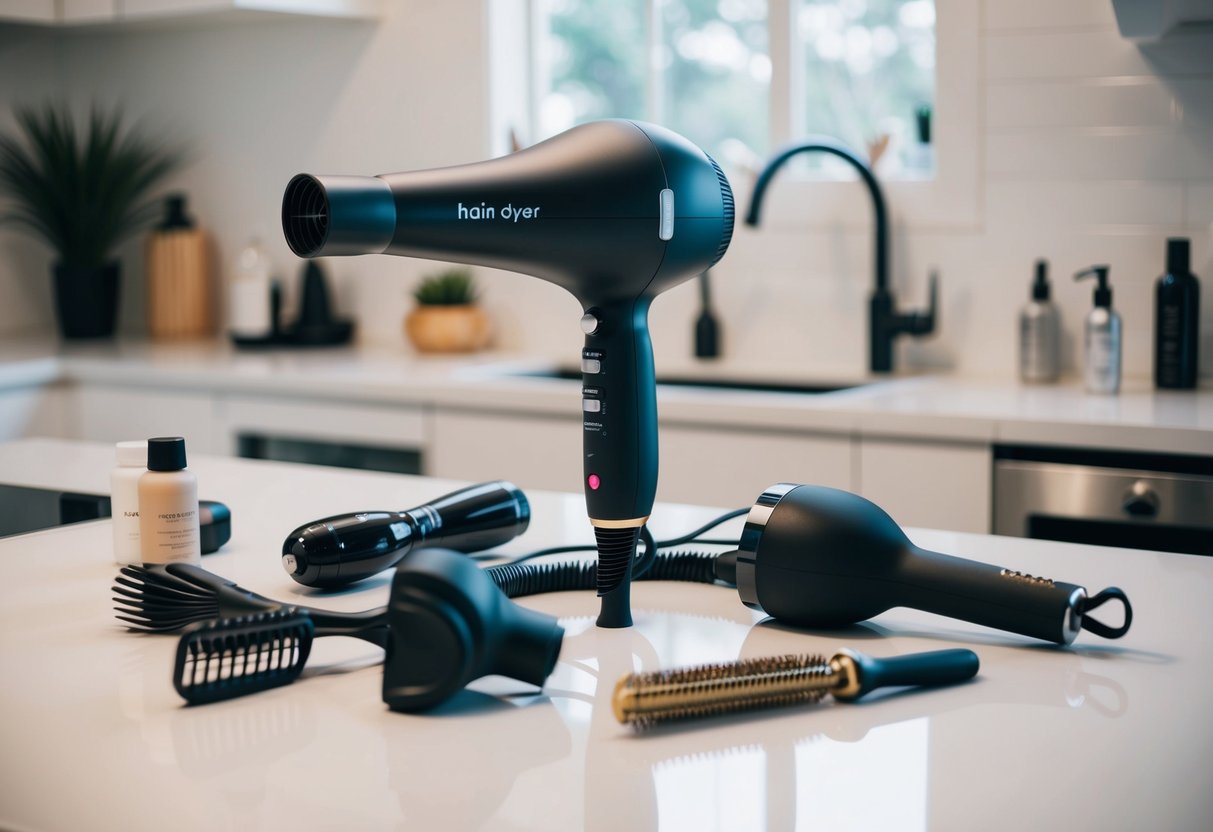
(589, 323)
(591, 366)
(591, 405)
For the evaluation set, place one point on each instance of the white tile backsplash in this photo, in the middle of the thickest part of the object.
(1117, 102)
(1092, 150)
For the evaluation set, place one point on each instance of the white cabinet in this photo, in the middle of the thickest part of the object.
(78, 12)
(707, 466)
(113, 414)
(33, 411)
(530, 450)
(731, 467)
(929, 484)
(142, 9)
(28, 11)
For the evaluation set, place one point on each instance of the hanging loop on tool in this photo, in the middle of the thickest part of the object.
(1112, 593)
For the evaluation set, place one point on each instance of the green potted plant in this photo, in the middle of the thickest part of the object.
(83, 191)
(447, 317)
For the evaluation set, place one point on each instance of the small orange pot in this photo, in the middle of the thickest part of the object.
(448, 328)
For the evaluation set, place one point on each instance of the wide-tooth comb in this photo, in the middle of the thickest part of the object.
(234, 657)
(646, 699)
(164, 598)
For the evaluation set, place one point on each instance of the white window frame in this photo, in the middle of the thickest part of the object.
(950, 200)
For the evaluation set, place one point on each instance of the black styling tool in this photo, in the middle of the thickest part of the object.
(337, 551)
(817, 557)
(233, 657)
(449, 623)
(446, 625)
(164, 598)
(647, 699)
(616, 212)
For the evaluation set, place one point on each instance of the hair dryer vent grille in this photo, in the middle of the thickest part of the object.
(305, 215)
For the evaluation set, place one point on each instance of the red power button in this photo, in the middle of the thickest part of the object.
(593, 481)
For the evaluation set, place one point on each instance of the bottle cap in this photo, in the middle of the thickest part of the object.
(1179, 255)
(166, 453)
(174, 213)
(132, 454)
(1040, 288)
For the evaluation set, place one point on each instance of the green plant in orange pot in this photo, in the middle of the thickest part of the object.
(83, 190)
(447, 317)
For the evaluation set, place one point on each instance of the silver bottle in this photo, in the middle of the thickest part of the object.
(1102, 337)
(1040, 332)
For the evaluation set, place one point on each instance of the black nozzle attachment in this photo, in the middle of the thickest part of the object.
(449, 624)
(337, 551)
(331, 215)
(818, 557)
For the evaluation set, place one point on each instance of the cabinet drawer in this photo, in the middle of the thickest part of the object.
(928, 484)
(732, 467)
(114, 414)
(532, 451)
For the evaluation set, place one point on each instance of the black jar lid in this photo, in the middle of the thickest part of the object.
(166, 453)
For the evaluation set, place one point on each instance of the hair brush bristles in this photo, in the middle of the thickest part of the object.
(646, 699)
(165, 598)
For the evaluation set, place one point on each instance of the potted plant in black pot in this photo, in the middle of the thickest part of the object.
(83, 191)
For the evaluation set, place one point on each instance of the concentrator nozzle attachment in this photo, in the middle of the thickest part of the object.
(333, 215)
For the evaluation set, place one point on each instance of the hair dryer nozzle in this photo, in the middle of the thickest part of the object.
(330, 215)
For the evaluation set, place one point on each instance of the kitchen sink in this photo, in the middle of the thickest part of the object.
(714, 383)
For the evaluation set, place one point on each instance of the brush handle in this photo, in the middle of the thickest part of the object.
(939, 667)
(368, 625)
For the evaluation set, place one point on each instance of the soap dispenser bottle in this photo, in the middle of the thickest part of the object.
(1102, 336)
(1040, 332)
(1176, 320)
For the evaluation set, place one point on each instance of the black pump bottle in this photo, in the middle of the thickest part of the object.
(1177, 320)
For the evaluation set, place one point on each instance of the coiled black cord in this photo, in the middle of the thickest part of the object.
(519, 579)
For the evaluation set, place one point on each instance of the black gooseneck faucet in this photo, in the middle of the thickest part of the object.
(884, 322)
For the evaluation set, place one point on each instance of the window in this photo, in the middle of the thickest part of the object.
(852, 69)
(742, 77)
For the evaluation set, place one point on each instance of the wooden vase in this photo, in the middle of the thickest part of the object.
(438, 329)
(180, 292)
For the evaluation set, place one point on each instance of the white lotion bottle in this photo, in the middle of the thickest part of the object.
(168, 505)
(1102, 337)
(250, 312)
(130, 465)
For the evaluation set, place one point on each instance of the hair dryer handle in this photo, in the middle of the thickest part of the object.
(619, 437)
(992, 596)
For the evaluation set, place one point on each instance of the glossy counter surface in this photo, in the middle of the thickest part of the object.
(1102, 735)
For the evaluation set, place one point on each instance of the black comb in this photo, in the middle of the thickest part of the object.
(232, 657)
(164, 598)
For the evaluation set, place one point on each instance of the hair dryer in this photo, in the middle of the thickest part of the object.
(613, 211)
(337, 551)
(813, 556)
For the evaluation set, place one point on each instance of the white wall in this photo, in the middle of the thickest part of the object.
(1094, 151)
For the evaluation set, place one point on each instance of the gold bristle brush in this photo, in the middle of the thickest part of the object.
(646, 699)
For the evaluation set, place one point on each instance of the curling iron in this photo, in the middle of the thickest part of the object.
(615, 212)
(340, 550)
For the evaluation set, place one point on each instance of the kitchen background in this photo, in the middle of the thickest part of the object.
(1087, 148)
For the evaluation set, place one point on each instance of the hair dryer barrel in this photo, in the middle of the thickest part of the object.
(610, 210)
(332, 215)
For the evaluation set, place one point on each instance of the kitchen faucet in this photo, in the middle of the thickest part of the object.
(884, 322)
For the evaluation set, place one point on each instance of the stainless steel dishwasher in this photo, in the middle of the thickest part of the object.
(1108, 498)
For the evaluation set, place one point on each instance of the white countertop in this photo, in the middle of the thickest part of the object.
(932, 407)
(1101, 735)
